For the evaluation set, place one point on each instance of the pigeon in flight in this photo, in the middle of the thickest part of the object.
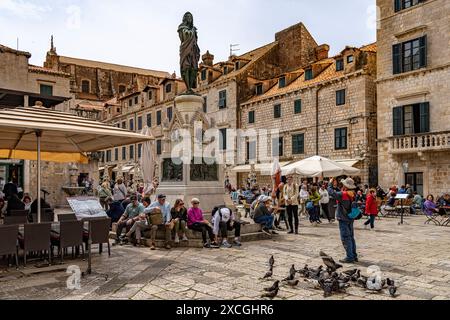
(274, 287)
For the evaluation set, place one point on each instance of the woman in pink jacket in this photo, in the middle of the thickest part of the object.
(371, 208)
(196, 222)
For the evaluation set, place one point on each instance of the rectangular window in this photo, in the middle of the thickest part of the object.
(124, 153)
(415, 180)
(236, 65)
(223, 139)
(277, 147)
(124, 125)
(251, 150)
(308, 74)
(85, 86)
(225, 70)
(158, 147)
(340, 97)
(130, 102)
(136, 100)
(46, 90)
(259, 89)
(298, 144)
(140, 150)
(405, 4)
(116, 154)
(223, 99)
(149, 120)
(108, 156)
(350, 59)
(170, 113)
(340, 139)
(203, 74)
(251, 116)
(282, 82)
(131, 124)
(277, 111)
(169, 88)
(158, 118)
(411, 119)
(205, 104)
(103, 156)
(132, 152)
(339, 65)
(410, 55)
(298, 106)
(139, 123)
(150, 95)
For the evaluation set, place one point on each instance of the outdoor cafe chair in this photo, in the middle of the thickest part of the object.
(15, 220)
(99, 233)
(36, 238)
(46, 216)
(8, 242)
(70, 236)
(67, 217)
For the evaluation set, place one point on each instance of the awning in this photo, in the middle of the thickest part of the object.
(101, 168)
(125, 169)
(264, 168)
(348, 162)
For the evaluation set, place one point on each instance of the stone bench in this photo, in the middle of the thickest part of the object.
(249, 232)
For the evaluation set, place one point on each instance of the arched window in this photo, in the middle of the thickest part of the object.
(85, 86)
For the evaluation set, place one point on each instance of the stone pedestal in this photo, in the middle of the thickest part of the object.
(205, 182)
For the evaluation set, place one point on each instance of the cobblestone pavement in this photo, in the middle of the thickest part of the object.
(416, 255)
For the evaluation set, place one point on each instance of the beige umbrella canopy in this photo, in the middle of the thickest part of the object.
(319, 167)
(40, 134)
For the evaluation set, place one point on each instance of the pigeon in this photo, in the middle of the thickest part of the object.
(343, 286)
(271, 261)
(288, 278)
(271, 294)
(326, 287)
(350, 272)
(293, 283)
(360, 282)
(304, 272)
(393, 291)
(292, 271)
(374, 284)
(329, 262)
(390, 282)
(356, 276)
(273, 287)
(268, 274)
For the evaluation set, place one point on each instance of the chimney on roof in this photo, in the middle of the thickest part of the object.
(322, 52)
(208, 59)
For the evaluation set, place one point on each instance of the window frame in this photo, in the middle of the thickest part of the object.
(298, 106)
(139, 123)
(280, 144)
(277, 114)
(83, 82)
(417, 61)
(169, 113)
(340, 140)
(251, 117)
(222, 99)
(259, 89)
(339, 65)
(282, 82)
(158, 117)
(149, 120)
(46, 87)
(124, 153)
(309, 74)
(296, 142)
(168, 88)
(159, 147)
(131, 152)
(341, 97)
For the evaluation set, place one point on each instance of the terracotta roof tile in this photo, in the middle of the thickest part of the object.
(37, 69)
(370, 47)
(10, 50)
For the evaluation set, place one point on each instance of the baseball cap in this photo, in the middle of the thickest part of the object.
(162, 196)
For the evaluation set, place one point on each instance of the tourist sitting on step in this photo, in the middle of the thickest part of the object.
(129, 217)
(197, 222)
(179, 217)
(141, 225)
(115, 210)
(264, 215)
(159, 213)
(224, 220)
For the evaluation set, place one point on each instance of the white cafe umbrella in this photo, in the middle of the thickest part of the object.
(319, 167)
(39, 134)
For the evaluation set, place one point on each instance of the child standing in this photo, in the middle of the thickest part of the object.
(371, 208)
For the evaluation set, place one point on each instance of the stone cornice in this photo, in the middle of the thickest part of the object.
(412, 73)
(409, 31)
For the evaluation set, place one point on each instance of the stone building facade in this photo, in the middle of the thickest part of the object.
(224, 86)
(414, 95)
(325, 108)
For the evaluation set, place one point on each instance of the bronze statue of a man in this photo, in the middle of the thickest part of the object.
(189, 52)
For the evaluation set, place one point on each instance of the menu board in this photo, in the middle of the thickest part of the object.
(86, 207)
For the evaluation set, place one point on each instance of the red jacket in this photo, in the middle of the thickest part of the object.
(371, 206)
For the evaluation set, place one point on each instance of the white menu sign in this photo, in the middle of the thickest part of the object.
(86, 207)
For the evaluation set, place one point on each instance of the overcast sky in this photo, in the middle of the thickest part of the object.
(143, 33)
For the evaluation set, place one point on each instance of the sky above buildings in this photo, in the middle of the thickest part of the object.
(143, 33)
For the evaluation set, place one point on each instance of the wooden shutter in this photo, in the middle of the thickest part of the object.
(425, 117)
(423, 51)
(397, 58)
(398, 5)
(398, 121)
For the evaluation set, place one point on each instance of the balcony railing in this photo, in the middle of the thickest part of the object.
(436, 141)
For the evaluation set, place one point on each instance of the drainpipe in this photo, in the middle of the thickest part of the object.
(319, 87)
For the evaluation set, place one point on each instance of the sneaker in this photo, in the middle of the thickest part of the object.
(153, 247)
(225, 244)
(266, 231)
(274, 232)
(279, 228)
(177, 239)
(356, 260)
(206, 245)
(291, 232)
(237, 243)
(347, 261)
(214, 245)
(185, 238)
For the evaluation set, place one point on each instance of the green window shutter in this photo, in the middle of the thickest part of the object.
(398, 121)
(425, 117)
(423, 51)
(398, 5)
(397, 58)
(298, 106)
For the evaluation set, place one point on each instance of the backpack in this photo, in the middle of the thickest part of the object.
(309, 205)
(351, 209)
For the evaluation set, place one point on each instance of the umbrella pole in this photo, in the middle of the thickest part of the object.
(39, 135)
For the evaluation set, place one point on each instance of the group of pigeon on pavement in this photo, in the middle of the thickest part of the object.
(328, 279)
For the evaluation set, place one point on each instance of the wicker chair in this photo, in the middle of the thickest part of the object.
(8, 242)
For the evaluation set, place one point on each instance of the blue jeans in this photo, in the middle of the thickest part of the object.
(348, 239)
(266, 221)
(371, 221)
